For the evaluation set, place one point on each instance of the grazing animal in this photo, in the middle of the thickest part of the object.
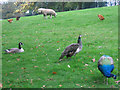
(101, 17)
(15, 50)
(72, 49)
(10, 20)
(46, 12)
(106, 66)
(17, 18)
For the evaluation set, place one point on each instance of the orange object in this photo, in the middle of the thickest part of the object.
(58, 41)
(10, 20)
(100, 17)
(54, 72)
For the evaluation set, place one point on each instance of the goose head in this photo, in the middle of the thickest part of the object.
(21, 43)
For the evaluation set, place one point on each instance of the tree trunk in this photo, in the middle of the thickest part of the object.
(63, 5)
(79, 5)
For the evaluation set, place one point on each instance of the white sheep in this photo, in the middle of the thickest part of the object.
(46, 12)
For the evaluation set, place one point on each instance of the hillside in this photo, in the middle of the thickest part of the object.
(44, 41)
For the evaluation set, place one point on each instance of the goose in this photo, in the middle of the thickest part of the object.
(15, 50)
(72, 49)
(17, 18)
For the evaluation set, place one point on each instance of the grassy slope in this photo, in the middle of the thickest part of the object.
(40, 38)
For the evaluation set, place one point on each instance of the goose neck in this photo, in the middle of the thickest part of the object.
(19, 46)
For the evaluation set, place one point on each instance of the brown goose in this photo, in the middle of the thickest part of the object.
(15, 50)
(72, 49)
(17, 18)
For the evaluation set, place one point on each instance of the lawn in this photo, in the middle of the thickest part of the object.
(44, 41)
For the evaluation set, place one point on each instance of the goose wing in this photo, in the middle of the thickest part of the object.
(70, 50)
(13, 50)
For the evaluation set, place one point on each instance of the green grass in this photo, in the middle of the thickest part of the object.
(40, 37)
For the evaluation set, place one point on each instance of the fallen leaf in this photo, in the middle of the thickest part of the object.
(69, 66)
(58, 41)
(36, 39)
(23, 68)
(58, 49)
(10, 84)
(73, 70)
(89, 56)
(78, 60)
(6, 74)
(60, 85)
(1, 85)
(33, 59)
(112, 86)
(11, 72)
(93, 59)
(86, 64)
(36, 47)
(99, 46)
(54, 72)
(90, 70)
(117, 59)
(31, 81)
(18, 59)
(42, 46)
(35, 66)
(117, 81)
(93, 85)
(43, 85)
(77, 84)
(49, 79)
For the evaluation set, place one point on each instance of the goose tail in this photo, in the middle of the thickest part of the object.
(7, 50)
(61, 57)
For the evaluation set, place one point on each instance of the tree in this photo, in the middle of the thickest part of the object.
(24, 6)
(8, 9)
(79, 5)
